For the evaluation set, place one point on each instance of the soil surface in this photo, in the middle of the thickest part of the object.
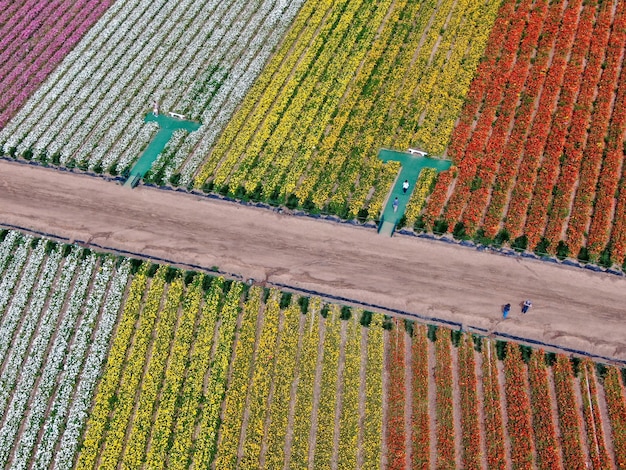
(572, 307)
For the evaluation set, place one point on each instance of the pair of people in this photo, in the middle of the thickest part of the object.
(525, 307)
(396, 203)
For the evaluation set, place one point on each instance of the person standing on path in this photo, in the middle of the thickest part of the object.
(526, 306)
(395, 204)
(405, 186)
(506, 310)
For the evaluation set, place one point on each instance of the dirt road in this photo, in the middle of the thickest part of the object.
(573, 308)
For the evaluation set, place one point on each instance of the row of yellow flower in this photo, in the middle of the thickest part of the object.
(226, 456)
(132, 374)
(306, 381)
(373, 422)
(199, 361)
(328, 391)
(285, 372)
(123, 397)
(174, 374)
(388, 111)
(346, 112)
(349, 421)
(262, 96)
(423, 187)
(429, 98)
(216, 387)
(362, 132)
(455, 75)
(328, 85)
(142, 421)
(308, 127)
(96, 426)
(277, 98)
(264, 361)
(307, 99)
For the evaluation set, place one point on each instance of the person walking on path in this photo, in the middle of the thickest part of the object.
(526, 306)
(405, 186)
(506, 310)
(395, 204)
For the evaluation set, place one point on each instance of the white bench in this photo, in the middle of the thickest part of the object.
(417, 152)
(176, 115)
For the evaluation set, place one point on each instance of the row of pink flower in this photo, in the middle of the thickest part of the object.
(35, 39)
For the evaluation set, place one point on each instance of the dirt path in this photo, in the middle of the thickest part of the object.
(573, 308)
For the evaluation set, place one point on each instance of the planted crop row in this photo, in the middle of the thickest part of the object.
(394, 422)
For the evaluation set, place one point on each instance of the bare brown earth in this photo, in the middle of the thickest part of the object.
(573, 308)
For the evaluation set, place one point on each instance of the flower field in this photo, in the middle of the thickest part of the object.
(320, 84)
(111, 362)
(349, 78)
(36, 37)
(556, 413)
(196, 58)
(295, 98)
(539, 143)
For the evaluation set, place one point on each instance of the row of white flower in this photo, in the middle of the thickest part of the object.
(27, 378)
(90, 373)
(245, 66)
(68, 72)
(53, 362)
(68, 374)
(92, 107)
(20, 298)
(20, 254)
(31, 316)
(46, 329)
(6, 249)
(60, 315)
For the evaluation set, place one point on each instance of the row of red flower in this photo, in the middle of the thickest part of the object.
(569, 419)
(530, 426)
(471, 155)
(593, 419)
(444, 406)
(564, 34)
(616, 404)
(548, 455)
(594, 149)
(494, 428)
(482, 81)
(420, 417)
(470, 430)
(519, 423)
(547, 177)
(539, 102)
(600, 227)
(575, 143)
(396, 393)
(485, 71)
(495, 146)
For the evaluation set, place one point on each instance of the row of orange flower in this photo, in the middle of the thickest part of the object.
(470, 430)
(519, 423)
(557, 140)
(548, 456)
(396, 436)
(420, 418)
